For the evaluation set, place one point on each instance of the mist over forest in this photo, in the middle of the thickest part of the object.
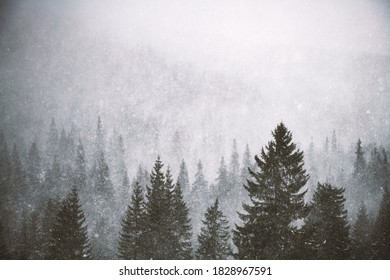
(116, 86)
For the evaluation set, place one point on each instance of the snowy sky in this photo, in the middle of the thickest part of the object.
(317, 65)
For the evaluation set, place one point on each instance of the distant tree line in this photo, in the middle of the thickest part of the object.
(64, 204)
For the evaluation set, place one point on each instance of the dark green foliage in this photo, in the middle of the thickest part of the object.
(361, 236)
(158, 209)
(69, 240)
(214, 239)
(277, 201)
(132, 243)
(48, 222)
(326, 227)
(382, 229)
(181, 225)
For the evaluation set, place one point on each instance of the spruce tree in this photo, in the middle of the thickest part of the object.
(181, 225)
(132, 242)
(381, 234)
(214, 239)
(276, 201)
(360, 162)
(326, 227)
(69, 240)
(222, 187)
(361, 236)
(158, 210)
(183, 179)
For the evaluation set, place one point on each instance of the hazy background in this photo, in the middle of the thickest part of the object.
(211, 70)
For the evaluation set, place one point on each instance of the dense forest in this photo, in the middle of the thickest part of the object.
(73, 198)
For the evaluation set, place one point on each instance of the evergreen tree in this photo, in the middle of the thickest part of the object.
(132, 243)
(69, 240)
(222, 181)
(382, 229)
(158, 210)
(361, 236)
(277, 201)
(52, 207)
(360, 163)
(200, 183)
(214, 239)
(326, 226)
(181, 225)
(183, 179)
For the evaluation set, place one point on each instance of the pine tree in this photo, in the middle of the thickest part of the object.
(132, 243)
(361, 236)
(183, 179)
(326, 227)
(200, 183)
(360, 162)
(381, 234)
(50, 211)
(214, 239)
(181, 225)
(277, 201)
(222, 181)
(158, 210)
(69, 240)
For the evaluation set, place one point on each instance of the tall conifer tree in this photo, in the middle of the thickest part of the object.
(69, 240)
(277, 200)
(326, 226)
(132, 242)
(214, 239)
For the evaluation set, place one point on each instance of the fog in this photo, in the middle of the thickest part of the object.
(213, 70)
(185, 80)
